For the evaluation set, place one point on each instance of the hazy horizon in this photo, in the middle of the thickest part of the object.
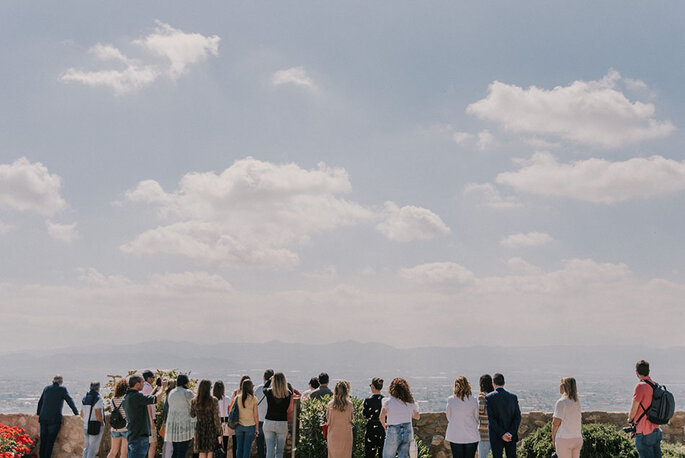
(605, 374)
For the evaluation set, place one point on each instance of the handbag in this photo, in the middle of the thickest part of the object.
(234, 415)
(94, 425)
(324, 429)
(219, 452)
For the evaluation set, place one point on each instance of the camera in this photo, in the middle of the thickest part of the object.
(159, 381)
(629, 430)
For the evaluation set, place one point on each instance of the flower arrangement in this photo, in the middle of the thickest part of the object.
(14, 442)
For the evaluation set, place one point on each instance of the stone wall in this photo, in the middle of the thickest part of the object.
(431, 427)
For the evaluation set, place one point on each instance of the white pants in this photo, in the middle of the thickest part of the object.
(569, 448)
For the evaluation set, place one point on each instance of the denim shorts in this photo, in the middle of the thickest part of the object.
(117, 434)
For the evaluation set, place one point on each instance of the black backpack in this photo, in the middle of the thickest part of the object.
(663, 405)
(116, 419)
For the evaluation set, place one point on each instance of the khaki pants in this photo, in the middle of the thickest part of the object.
(569, 448)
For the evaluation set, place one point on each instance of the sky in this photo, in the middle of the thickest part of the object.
(417, 174)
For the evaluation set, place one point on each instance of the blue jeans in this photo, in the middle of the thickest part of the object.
(91, 444)
(261, 445)
(483, 449)
(137, 448)
(244, 435)
(275, 434)
(397, 439)
(48, 436)
(649, 446)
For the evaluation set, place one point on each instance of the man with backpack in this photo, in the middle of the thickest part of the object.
(652, 405)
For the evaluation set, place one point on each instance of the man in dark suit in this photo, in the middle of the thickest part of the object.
(50, 414)
(504, 418)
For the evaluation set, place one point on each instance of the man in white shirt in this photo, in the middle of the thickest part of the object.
(147, 390)
(261, 409)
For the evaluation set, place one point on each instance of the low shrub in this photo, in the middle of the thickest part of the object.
(14, 442)
(599, 441)
(312, 415)
(672, 450)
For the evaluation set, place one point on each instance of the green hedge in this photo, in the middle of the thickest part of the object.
(312, 415)
(599, 441)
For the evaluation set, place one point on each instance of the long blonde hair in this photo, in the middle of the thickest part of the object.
(570, 388)
(279, 386)
(462, 388)
(341, 395)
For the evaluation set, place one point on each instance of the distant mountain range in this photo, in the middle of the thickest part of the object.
(338, 358)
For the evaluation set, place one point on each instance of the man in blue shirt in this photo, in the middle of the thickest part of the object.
(49, 413)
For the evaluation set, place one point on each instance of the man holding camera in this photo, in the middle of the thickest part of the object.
(149, 379)
(136, 406)
(647, 434)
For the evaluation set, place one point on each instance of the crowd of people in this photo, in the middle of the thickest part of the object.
(485, 424)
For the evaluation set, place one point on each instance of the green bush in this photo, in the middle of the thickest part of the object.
(312, 415)
(599, 441)
(672, 450)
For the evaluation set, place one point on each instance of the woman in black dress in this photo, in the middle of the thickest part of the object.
(375, 434)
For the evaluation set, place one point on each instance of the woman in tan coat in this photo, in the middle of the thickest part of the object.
(339, 419)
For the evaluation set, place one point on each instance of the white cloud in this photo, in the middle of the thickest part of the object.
(575, 273)
(30, 187)
(410, 223)
(326, 274)
(120, 81)
(252, 213)
(439, 273)
(485, 140)
(62, 232)
(522, 267)
(597, 180)
(491, 196)
(4, 228)
(443, 303)
(461, 138)
(525, 240)
(586, 112)
(178, 48)
(296, 76)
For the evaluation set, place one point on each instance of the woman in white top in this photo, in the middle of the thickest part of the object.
(219, 392)
(567, 435)
(462, 417)
(396, 415)
(180, 426)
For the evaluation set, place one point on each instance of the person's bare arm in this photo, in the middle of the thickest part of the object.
(382, 418)
(633, 411)
(556, 422)
(255, 414)
(98, 415)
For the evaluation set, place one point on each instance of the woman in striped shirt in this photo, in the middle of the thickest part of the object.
(486, 387)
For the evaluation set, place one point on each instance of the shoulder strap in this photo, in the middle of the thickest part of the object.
(644, 411)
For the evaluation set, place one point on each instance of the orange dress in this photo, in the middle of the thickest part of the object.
(339, 431)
